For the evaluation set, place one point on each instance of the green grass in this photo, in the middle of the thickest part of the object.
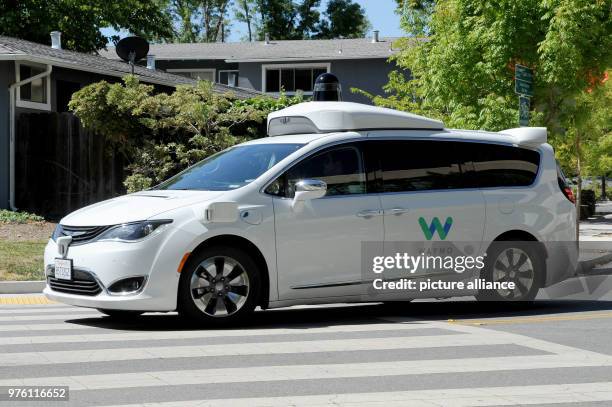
(7, 216)
(21, 260)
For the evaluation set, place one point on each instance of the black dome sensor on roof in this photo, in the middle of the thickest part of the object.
(327, 88)
(132, 49)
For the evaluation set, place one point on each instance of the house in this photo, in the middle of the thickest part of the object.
(40, 78)
(269, 66)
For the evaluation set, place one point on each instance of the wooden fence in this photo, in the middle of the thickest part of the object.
(61, 167)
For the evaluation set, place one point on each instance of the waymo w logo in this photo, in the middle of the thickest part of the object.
(435, 226)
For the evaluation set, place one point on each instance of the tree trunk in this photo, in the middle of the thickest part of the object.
(603, 188)
(579, 185)
(220, 28)
(245, 4)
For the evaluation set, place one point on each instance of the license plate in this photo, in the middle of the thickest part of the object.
(63, 269)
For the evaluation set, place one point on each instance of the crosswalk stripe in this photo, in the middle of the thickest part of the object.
(40, 327)
(253, 348)
(464, 397)
(185, 334)
(47, 317)
(312, 372)
(300, 341)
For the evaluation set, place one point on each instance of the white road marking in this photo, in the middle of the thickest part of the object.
(256, 348)
(466, 397)
(184, 334)
(319, 371)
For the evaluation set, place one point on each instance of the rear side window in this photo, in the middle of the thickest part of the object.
(502, 166)
(415, 165)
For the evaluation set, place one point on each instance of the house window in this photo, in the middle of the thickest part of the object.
(291, 78)
(33, 95)
(199, 74)
(228, 77)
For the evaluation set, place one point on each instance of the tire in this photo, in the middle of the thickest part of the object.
(120, 314)
(234, 291)
(520, 262)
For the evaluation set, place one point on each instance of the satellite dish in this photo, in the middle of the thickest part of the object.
(132, 49)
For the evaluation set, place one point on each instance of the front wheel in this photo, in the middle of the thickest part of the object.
(518, 262)
(219, 285)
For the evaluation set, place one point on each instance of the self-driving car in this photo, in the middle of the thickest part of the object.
(282, 220)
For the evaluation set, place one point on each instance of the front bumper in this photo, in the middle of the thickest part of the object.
(138, 302)
(156, 259)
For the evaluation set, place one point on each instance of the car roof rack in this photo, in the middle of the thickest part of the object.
(328, 117)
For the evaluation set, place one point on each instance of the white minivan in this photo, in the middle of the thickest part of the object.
(282, 220)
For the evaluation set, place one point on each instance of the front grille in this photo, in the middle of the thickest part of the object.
(82, 283)
(82, 234)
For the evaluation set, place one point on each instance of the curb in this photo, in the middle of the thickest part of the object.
(21, 287)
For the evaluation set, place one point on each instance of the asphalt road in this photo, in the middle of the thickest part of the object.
(444, 353)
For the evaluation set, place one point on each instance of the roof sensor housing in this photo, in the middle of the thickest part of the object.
(327, 88)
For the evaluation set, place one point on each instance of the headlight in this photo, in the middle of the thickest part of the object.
(130, 232)
(57, 232)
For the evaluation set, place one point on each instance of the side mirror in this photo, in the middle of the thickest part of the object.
(306, 190)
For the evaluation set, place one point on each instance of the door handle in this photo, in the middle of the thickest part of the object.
(368, 213)
(396, 211)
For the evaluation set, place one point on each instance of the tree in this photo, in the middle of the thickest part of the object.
(199, 20)
(182, 12)
(278, 19)
(162, 134)
(416, 15)
(80, 21)
(464, 71)
(309, 18)
(343, 19)
(245, 12)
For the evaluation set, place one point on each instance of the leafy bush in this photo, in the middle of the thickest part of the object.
(162, 134)
(7, 216)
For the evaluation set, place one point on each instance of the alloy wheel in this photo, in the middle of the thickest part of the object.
(514, 265)
(219, 286)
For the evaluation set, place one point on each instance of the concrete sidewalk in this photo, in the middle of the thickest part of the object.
(600, 224)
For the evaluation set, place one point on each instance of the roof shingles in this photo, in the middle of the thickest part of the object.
(361, 48)
(10, 46)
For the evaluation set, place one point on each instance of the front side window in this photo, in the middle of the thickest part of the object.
(291, 79)
(230, 169)
(414, 165)
(341, 168)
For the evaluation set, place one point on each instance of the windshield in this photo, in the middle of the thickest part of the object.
(230, 169)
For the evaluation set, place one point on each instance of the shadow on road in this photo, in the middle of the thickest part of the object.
(304, 318)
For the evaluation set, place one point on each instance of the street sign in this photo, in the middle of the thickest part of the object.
(523, 80)
(524, 110)
(523, 88)
(523, 73)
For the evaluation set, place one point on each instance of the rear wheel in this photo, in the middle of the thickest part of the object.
(220, 285)
(518, 262)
